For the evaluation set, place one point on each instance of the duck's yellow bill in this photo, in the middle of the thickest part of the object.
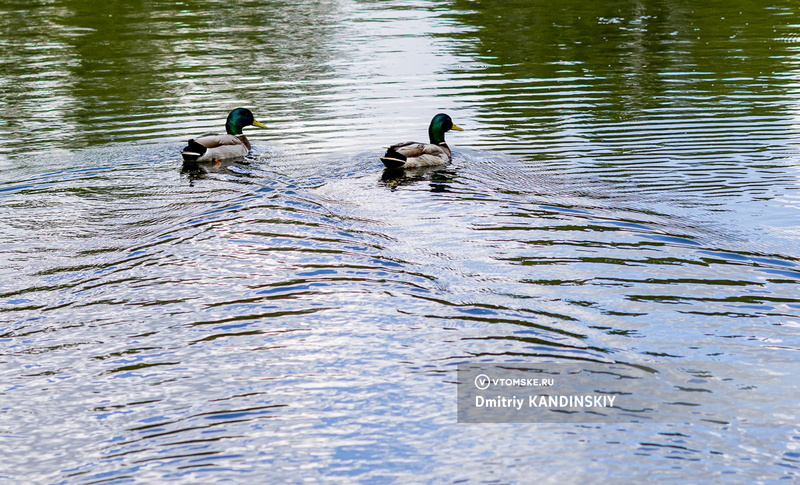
(259, 124)
(457, 128)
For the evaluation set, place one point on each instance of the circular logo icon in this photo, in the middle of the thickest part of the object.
(482, 381)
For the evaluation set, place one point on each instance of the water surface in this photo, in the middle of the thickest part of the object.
(626, 191)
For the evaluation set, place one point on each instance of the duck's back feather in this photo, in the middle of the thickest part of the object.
(211, 140)
(214, 146)
(414, 154)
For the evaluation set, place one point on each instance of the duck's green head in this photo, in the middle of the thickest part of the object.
(441, 124)
(238, 119)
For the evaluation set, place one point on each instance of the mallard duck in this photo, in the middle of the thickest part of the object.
(413, 154)
(214, 147)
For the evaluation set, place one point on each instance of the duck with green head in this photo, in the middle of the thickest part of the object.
(413, 154)
(215, 147)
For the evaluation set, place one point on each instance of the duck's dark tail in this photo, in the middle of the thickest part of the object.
(193, 151)
(392, 162)
(393, 158)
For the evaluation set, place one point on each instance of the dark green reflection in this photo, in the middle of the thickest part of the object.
(86, 73)
(629, 55)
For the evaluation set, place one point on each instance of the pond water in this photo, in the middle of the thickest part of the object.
(626, 192)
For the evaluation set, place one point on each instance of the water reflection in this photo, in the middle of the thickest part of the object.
(585, 80)
(142, 70)
(439, 178)
(200, 170)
